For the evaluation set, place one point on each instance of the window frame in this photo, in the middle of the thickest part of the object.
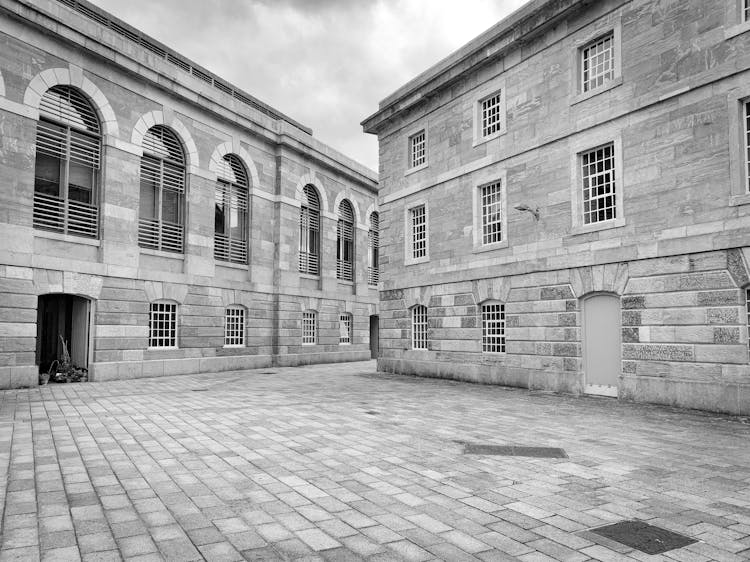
(241, 328)
(345, 268)
(174, 325)
(485, 92)
(747, 311)
(420, 328)
(500, 177)
(346, 322)
(488, 340)
(410, 136)
(606, 27)
(373, 250)
(578, 148)
(739, 141)
(234, 196)
(309, 318)
(306, 227)
(409, 240)
(737, 20)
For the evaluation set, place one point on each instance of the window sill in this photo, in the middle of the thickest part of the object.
(488, 138)
(344, 282)
(66, 238)
(736, 200)
(309, 276)
(415, 169)
(600, 90)
(490, 247)
(416, 261)
(604, 225)
(162, 254)
(345, 343)
(162, 348)
(736, 30)
(308, 344)
(235, 346)
(231, 265)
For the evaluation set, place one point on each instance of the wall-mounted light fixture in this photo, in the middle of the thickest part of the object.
(525, 207)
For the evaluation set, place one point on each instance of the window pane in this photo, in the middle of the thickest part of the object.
(148, 199)
(80, 183)
(47, 175)
(170, 206)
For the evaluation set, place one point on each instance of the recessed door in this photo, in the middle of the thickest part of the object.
(374, 336)
(602, 344)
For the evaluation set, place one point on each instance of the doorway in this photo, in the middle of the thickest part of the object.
(66, 316)
(374, 336)
(602, 363)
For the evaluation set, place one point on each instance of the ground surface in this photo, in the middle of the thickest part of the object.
(336, 462)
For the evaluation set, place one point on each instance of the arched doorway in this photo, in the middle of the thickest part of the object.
(602, 361)
(63, 316)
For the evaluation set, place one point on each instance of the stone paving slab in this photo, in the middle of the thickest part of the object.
(338, 462)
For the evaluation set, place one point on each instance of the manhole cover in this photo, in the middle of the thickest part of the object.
(643, 537)
(514, 451)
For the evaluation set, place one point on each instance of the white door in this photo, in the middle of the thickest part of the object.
(601, 344)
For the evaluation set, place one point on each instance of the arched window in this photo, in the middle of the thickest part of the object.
(230, 215)
(234, 326)
(419, 327)
(309, 232)
(345, 242)
(161, 223)
(66, 172)
(373, 244)
(162, 325)
(493, 327)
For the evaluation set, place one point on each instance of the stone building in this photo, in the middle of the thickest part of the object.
(160, 220)
(565, 205)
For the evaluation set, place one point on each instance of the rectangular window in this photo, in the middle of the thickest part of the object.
(234, 327)
(747, 144)
(162, 325)
(492, 216)
(492, 114)
(309, 328)
(598, 62)
(598, 175)
(418, 232)
(493, 328)
(417, 149)
(345, 328)
(419, 327)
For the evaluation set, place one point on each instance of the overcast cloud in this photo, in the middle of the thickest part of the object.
(325, 63)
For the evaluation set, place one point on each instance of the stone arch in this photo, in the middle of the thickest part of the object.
(64, 77)
(229, 148)
(496, 289)
(370, 210)
(607, 278)
(68, 282)
(349, 196)
(417, 295)
(153, 118)
(312, 179)
(160, 290)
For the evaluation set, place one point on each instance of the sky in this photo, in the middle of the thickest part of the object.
(324, 63)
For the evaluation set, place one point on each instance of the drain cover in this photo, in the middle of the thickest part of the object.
(514, 451)
(643, 537)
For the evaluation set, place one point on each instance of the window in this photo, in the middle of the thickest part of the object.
(492, 114)
(746, 11)
(66, 171)
(598, 62)
(230, 213)
(493, 328)
(417, 149)
(598, 175)
(345, 242)
(747, 308)
(309, 328)
(161, 215)
(345, 328)
(746, 152)
(373, 245)
(309, 232)
(418, 232)
(234, 327)
(419, 327)
(492, 213)
(162, 325)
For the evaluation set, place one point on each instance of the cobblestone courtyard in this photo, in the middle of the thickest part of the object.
(336, 462)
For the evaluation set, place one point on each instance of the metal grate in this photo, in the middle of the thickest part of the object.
(419, 327)
(747, 144)
(491, 114)
(231, 211)
(597, 62)
(598, 174)
(69, 217)
(345, 328)
(417, 149)
(309, 327)
(492, 216)
(309, 232)
(644, 537)
(69, 106)
(514, 451)
(493, 328)
(418, 231)
(234, 327)
(162, 325)
(373, 248)
(345, 242)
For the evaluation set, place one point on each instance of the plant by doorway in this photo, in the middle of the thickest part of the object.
(63, 370)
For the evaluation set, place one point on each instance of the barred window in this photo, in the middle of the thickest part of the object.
(417, 149)
(492, 216)
(66, 170)
(345, 328)
(161, 223)
(309, 232)
(162, 325)
(345, 242)
(231, 210)
(598, 175)
(493, 328)
(418, 232)
(419, 327)
(234, 327)
(492, 114)
(598, 62)
(309, 327)
(373, 245)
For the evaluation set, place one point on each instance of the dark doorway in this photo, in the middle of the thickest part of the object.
(374, 337)
(65, 316)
